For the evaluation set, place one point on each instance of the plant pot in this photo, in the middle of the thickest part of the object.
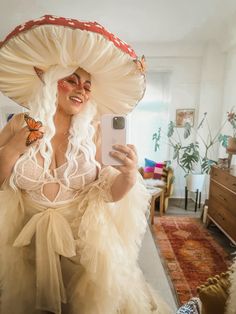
(231, 147)
(195, 182)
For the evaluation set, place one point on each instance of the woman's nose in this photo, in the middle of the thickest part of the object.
(80, 88)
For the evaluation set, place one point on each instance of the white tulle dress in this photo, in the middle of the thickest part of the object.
(76, 254)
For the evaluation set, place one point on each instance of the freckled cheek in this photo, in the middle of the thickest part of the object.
(64, 88)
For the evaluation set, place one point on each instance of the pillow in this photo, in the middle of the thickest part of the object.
(193, 306)
(231, 301)
(154, 170)
(214, 293)
(149, 163)
(147, 175)
(149, 169)
(160, 171)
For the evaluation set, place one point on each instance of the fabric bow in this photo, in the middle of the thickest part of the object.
(53, 237)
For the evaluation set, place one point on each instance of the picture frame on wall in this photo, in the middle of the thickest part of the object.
(183, 116)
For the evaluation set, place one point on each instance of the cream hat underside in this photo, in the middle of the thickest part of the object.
(117, 83)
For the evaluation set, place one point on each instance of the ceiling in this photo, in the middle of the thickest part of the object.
(134, 21)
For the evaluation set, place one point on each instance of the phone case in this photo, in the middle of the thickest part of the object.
(110, 137)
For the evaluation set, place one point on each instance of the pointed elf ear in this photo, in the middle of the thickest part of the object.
(39, 73)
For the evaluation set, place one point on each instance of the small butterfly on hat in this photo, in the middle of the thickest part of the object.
(141, 64)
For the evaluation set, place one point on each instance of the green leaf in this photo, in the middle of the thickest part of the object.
(206, 164)
(188, 161)
(156, 138)
(187, 129)
(190, 157)
(223, 139)
(171, 128)
(176, 154)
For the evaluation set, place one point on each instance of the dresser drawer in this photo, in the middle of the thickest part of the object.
(223, 217)
(224, 197)
(224, 178)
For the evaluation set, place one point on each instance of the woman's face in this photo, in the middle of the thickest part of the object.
(74, 92)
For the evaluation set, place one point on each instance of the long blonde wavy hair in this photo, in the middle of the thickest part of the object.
(43, 107)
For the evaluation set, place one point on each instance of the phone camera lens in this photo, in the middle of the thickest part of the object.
(118, 123)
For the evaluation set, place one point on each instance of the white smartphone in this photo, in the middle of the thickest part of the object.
(114, 130)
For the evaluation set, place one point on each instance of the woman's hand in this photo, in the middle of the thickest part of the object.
(13, 143)
(128, 156)
(17, 143)
(127, 178)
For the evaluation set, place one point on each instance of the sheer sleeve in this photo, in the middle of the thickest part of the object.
(109, 238)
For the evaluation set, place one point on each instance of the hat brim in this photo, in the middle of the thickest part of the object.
(117, 82)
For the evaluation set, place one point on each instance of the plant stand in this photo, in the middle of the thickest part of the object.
(197, 200)
(194, 183)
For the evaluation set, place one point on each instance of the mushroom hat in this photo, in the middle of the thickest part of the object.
(117, 75)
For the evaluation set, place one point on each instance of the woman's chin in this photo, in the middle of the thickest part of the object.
(72, 109)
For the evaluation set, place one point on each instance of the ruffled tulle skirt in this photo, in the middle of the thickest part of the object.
(76, 258)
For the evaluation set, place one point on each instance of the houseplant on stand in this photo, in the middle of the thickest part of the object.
(229, 141)
(191, 151)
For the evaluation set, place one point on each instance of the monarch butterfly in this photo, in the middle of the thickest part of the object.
(33, 127)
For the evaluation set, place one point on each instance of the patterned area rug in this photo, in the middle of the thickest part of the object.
(189, 253)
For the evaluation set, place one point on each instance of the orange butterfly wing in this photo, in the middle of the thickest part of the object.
(31, 123)
(33, 127)
(33, 137)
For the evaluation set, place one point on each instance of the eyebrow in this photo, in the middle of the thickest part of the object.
(78, 77)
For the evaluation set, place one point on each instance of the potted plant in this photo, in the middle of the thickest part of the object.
(195, 162)
(229, 142)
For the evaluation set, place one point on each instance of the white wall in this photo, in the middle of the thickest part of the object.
(197, 82)
(184, 90)
(229, 93)
(210, 99)
(7, 106)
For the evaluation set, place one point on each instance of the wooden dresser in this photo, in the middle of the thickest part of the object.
(222, 200)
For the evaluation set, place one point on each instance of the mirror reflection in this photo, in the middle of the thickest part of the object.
(129, 219)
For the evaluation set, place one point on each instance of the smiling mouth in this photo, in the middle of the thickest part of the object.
(76, 100)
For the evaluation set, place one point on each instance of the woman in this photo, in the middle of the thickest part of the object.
(70, 230)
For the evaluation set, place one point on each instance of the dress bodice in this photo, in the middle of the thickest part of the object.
(32, 180)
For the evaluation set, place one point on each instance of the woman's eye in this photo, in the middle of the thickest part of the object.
(87, 88)
(71, 81)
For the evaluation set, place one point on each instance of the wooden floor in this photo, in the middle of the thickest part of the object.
(176, 207)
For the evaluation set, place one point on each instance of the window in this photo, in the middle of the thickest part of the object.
(151, 114)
